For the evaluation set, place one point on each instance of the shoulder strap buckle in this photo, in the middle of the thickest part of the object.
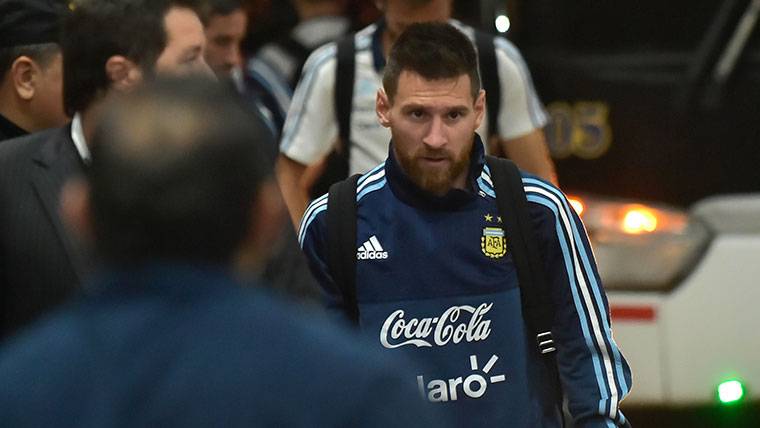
(545, 342)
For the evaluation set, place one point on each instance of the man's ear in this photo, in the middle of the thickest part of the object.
(480, 107)
(123, 74)
(383, 108)
(25, 72)
(75, 209)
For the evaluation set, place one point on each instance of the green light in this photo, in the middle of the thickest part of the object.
(730, 391)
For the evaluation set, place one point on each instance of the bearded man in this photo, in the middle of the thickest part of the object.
(437, 271)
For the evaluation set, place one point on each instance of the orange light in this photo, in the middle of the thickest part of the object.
(577, 204)
(638, 220)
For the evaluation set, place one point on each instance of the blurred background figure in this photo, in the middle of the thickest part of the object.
(165, 336)
(109, 47)
(276, 67)
(30, 67)
(319, 22)
(225, 25)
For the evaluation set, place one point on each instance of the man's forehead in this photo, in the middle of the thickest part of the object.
(183, 24)
(413, 87)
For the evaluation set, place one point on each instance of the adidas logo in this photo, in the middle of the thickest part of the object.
(371, 250)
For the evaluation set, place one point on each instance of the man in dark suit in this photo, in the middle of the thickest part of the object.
(108, 47)
(166, 336)
(30, 67)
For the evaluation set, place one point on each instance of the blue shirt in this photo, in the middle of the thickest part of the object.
(436, 282)
(179, 345)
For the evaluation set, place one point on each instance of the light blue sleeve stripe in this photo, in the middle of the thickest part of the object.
(371, 188)
(485, 188)
(600, 378)
(374, 170)
(617, 359)
(308, 222)
(322, 200)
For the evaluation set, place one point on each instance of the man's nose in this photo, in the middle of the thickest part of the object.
(233, 57)
(436, 134)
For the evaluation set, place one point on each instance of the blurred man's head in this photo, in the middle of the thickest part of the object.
(30, 64)
(226, 24)
(399, 14)
(177, 174)
(114, 44)
(432, 103)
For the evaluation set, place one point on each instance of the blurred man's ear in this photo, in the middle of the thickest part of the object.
(264, 228)
(75, 209)
(383, 108)
(123, 74)
(24, 72)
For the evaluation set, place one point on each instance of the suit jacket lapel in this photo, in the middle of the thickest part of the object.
(55, 163)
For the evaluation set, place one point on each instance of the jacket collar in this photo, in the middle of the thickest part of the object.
(408, 192)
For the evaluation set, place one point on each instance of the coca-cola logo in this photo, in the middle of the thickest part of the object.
(456, 324)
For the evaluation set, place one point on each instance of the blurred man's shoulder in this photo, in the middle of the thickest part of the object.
(26, 145)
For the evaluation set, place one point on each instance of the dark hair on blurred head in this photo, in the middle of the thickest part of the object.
(41, 53)
(211, 8)
(175, 169)
(433, 50)
(96, 30)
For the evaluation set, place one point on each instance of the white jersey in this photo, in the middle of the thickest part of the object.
(311, 128)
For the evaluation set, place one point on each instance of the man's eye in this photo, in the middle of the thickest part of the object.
(416, 114)
(455, 115)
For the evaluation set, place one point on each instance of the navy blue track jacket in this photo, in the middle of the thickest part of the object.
(435, 281)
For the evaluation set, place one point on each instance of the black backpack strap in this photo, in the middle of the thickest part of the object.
(489, 76)
(513, 207)
(341, 242)
(336, 165)
(344, 88)
(538, 309)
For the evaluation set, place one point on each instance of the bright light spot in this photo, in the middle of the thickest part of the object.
(577, 204)
(502, 23)
(639, 220)
(730, 391)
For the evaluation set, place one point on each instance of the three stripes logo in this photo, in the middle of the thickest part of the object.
(371, 250)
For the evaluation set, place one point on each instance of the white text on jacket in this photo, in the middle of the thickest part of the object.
(448, 328)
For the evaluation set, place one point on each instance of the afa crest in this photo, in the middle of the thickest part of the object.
(493, 243)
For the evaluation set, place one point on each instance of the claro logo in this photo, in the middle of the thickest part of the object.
(456, 324)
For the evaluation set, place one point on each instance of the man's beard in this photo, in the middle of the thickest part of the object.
(436, 180)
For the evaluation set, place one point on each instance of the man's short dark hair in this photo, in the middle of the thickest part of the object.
(96, 30)
(175, 169)
(41, 53)
(211, 8)
(434, 51)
